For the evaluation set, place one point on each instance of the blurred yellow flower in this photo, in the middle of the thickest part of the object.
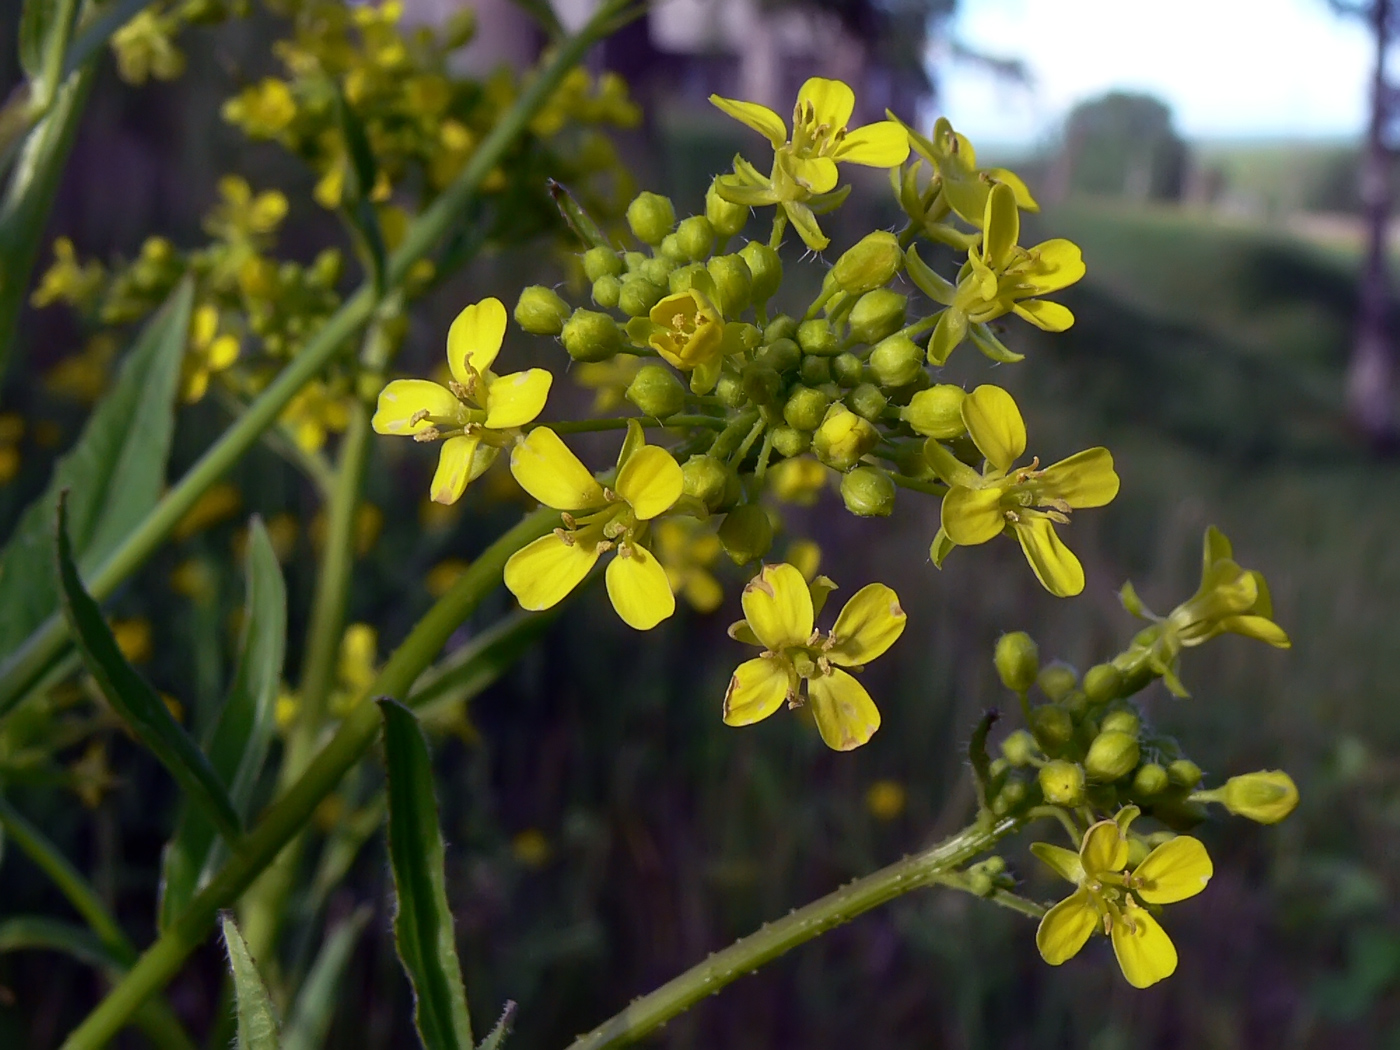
(885, 799)
(219, 503)
(209, 352)
(68, 281)
(531, 848)
(687, 550)
(133, 638)
(443, 575)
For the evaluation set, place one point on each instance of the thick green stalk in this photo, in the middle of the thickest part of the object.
(286, 817)
(933, 865)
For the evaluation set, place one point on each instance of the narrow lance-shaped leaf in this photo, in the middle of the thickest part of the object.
(138, 704)
(257, 1025)
(237, 746)
(423, 921)
(41, 933)
(315, 1003)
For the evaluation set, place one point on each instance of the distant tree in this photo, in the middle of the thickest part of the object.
(1122, 145)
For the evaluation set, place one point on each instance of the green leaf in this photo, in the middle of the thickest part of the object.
(311, 1014)
(115, 473)
(364, 173)
(498, 1035)
(423, 921)
(38, 932)
(143, 711)
(238, 743)
(257, 1026)
(35, 21)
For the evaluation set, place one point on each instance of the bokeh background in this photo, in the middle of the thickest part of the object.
(605, 829)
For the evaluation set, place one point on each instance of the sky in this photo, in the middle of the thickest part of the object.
(1228, 68)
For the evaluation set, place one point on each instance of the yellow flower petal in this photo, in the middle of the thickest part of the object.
(1001, 226)
(549, 472)
(1177, 869)
(702, 591)
(832, 101)
(638, 587)
(757, 688)
(805, 223)
(1065, 927)
(972, 516)
(402, 399)
(846, 716)
(1054, 564)
(1054, 264)
(1104, 849)
(1085, 479)
(541, 574)
(869, 624)
(995, 424)
(454, 468)
(818, 174)
(650, 481)
(514, 400)
(475, 338)
(778, 606)
(1063, 862)
(762, 119)
(223, 352)
(1145, 952)
(1045, 315)
(1260, 628)
(204, 325)
(883, 144)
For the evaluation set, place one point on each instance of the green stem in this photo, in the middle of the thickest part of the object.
(579, 220)
(733, 433)
(743, 449)
(780, 221)
(648, 1013)
(588, 426)
(932, 488)
(286, 817)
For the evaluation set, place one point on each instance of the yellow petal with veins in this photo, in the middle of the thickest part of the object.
(818, 174)
(1104, 849)
(883, 144)
(541, 574)
(995, 425)
(778, 606)
(638, 587)
(475, 338)
(972, 516)
(832, 101)
(650, 481)
(757, 688)
(1177, 869)
(762, 119)
(846, 716)
(1054, 564)
(1085, 479)
(1063, 862)
(514, 400)
(402, 399)
(1065, 927)
(1145, 952)
(454, 469)
(549, 472)
(869, 624)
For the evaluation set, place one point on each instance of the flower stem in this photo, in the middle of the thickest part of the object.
(934, 865)
(588, 426)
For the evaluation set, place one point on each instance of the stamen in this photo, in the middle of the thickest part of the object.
(567, 537)
(427, 434)
(418, 417)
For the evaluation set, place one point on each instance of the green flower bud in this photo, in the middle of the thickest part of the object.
(656, 391)
(746, 533)
(843, 438)
(540, 311)
(789, 441)
(980, 884)
(696, 237)
(634, 261)
(847, 369)
(1019, 747)
(814, 370)
(682, 278)
(1111, 755)
(670, 247)
(868, 264)
(602, 262)
(896, 361)
(606, 291)
(762, 384)
(805, 408)
(1057, 679)
(868, 492)
(591, 336)
(1062, 783)
(1184, 773)
(867, 401)
(1012, 794)
(733, 283)
(817, 337)
(726, 218)
(1102, 683)
(1121, 722)
(936, 412)
(1150, 780)
(766, 267)
(651, 217)
(781, 356)
(1017, 660)
(1053, 728)
(706, 478)
(1076, 703)
(1138, 849)
(657, 271)
(638, 296)
(998, 767)
(878, 314)
(1265, 797)
(781, 327)
(749, 336)
(730, 391)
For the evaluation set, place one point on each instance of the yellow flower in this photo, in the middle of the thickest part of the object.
(355, 669)
(263, 110)
(242, 215)
(799, 480)
(84, 376)
(780, 610)
(963, 187)
(313, 414)
(144, 48)
(608, 380)
(885, 799)
(477, 413)
(1116, 900)
(1026, 501)
(687, 551)
(209, 352)
(689, 330)
(67, 280)
(597, 519)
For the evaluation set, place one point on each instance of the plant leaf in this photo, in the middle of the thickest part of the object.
(422, 921)
(364, 173)
(257, 1026)
(115, 473)
(143, 711)
(497, 1035)
(311, 1014)
(237, 745)
(39, 932)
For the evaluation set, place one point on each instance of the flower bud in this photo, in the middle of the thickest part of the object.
(682, 278)
(782, 355)
(602, 262)
(896, 361)
(936, 412)
(817, 337)
(591, 336)
(766, 267)
(606, 291)
(746, 533)
(843, 438)
(1053, 728)
(877, 314)
(1184, 773)
(1102, 683)
(733, 283)
(540, 311)
(814, 371)
(670, 247)
(1150, 780)
(789, 441)
(1111, 756)
(867, 401)
(1012, 794)
(730, 391)
(847, 369)
(762, 384)
(805, 408)
(633, 261)
(1062, 783)
(726, 218)
(1265, 797)
(1121, 722)
(657, 271)
(1057, 679)
(651, 217)
(1017, 660)
(705, 478)
(638, 295)
(781, 327)
(868, 492)
(1018, 747)
(696, 237)
(868, 264)
(656, 391)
